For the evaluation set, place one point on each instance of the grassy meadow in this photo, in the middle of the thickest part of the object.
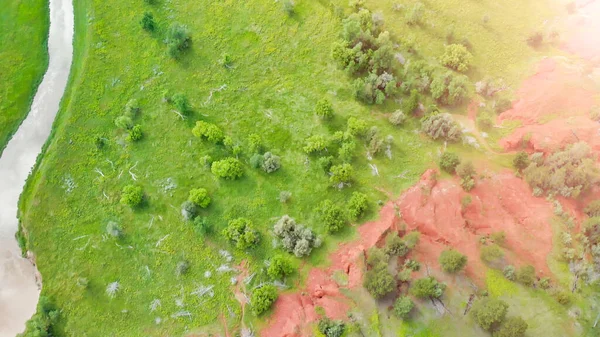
(23, 37)
(280, 66)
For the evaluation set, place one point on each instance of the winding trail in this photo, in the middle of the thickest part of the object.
(19, 281)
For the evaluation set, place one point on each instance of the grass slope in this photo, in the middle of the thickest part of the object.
(281, 68)
(23, 37)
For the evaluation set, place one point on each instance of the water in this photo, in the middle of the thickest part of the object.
(19, 289)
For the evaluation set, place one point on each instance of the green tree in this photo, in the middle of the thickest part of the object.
(228, 168)
(526, 275)
(324, 109)
(449, 161)
(270, 162)
(132, 195)
(262, 299)
(242, 233)
(412, 239)
(333, 216)
(135, 133)
(427, 287)
(491, 254)
(357, 205)
(378, 281)
(449, 88)
(452, 261)
(341, 174)
(593, 209)
(279, 267)
(456, 57)
(512, 327)
(397, 118)
(521, 161)
(199, 196)
(124, 122)
(403, 306)
(331, 328)
(489, 313)
(178, 40)
(208, 131)
(412, 102)
(394, 246)
(315, 143)
(356, 126)
(441, 126)
(147, 22)
(181, 102)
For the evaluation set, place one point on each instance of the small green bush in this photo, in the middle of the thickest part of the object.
(356, 127)
(512, 327)
(411, 103)
(378, 281)
(357, 205)
(402, 307)
(449, 161)
(526, 275)
(415, 14)
(228, 168)
(412, 239)
(491, 254)
(148, 23)
(593, 209)
(189, 210)
(397, 118)
(489, 313)
(132, 195)
(178, 40)
(332, 216)
(316, 143)
(510, 272)
(262, 299)
(324, 109)
(457, 57)
(341, 174)
(280, 267)
(427, 287)
(242, 233)
(452, 261)
(199, 196)
(271, 162)
(208, 131)
(331, 328)
(394, 246)
(124, 122)
(135, 133)
(441, 126)
(521, 161)
(499, 238)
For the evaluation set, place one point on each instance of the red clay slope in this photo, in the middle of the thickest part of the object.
(501, 203)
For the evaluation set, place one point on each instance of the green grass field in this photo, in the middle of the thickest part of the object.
(281, 66)
(24, 60)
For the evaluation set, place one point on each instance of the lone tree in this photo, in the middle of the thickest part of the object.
(449, 161)
(279, 267)
(262, 299)
(228, 168)
(457, 57)
(324, 109)
(378, 281)
(341, 174)
(178, 40)
(357, 205)
(427, 287)
(489, 313)
(242, 233)
(521, 161)
(132, 195)
(208, 131)
(452, 261)
(199, 196)
(403, 306)
(147, 22)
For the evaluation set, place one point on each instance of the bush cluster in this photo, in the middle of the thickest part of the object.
(441, 126)
(295, 238)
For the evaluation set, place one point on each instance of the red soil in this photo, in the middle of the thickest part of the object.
(501, 203)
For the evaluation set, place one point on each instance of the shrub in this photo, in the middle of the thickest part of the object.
(449, 161)
(452, 261)
(182, 268)
(562, 297)
(499, 238)
(593, 209)
(502, 105)
(357, 205)
(491, 254)
(256, 160)
(356, 126)
(178, 40)
(412, 265)
(280, 267)
(485, 121)
(456, 57)
(242, 233)
(346, 151)
(489, 313)
(289, 7)
(376, 256)
(208, 131)
(545, 283)
(521, 161)
(324, 109)
(509, 272)
(378, 281)
(415, 14)
(147, 22)
(42, 323)
(411, 103)
(113, 229)
(228, 168)
(199, 196)
(403, 306)
(295, 238)
(189, 210)
(567, 173)
(449, 88)
(512, 327)
(374, 89)
(135, 133)
(412, 239)
(427, 287)
(341, 174)
(331, 328)
(394, 246)
(535, 40)
(181, 103)
(124, 122)
(132, 195)
(465, 202)
(465, 169)
(591, 228)
(325, 163)
(202, 226)
(284, 196)
(441, 126)
(262, 299)
(314, 144)
(526, 275)
(397, 118)
(271, 162)
(332, 216)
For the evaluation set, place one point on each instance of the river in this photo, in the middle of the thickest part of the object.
(19, 289)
